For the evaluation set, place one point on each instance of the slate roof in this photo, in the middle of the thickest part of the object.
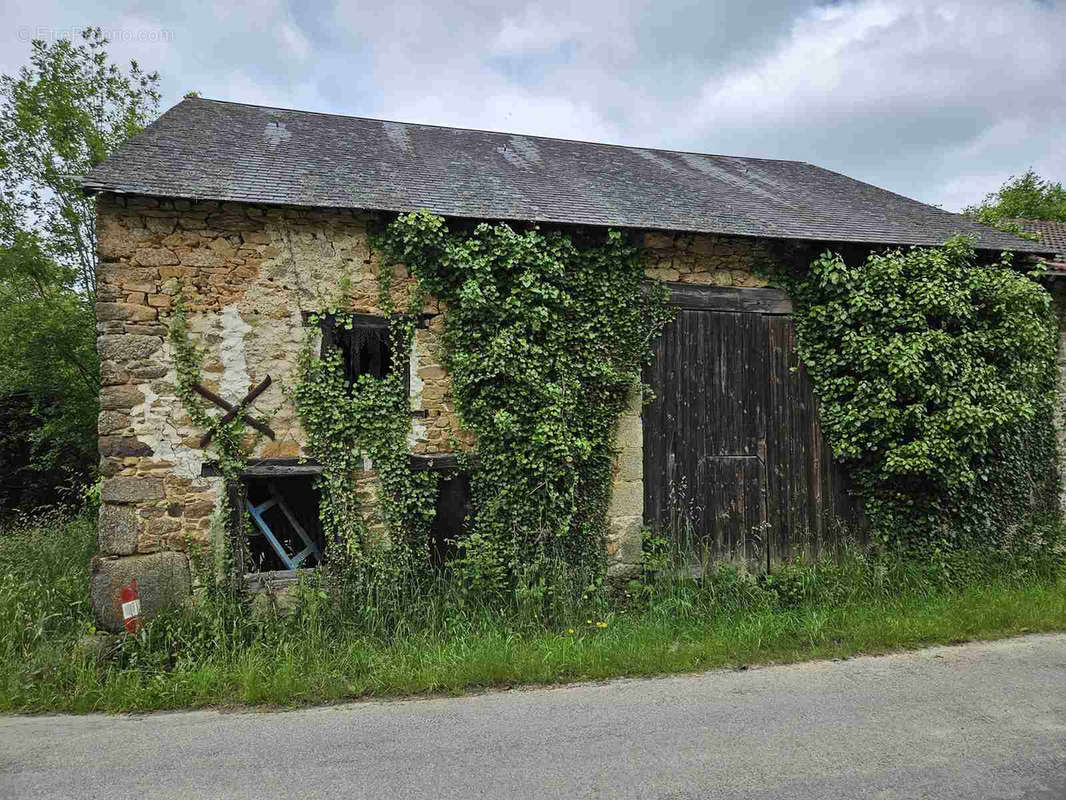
(209, 149)
(1052, 235)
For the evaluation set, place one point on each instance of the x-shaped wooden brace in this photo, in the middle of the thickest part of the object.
(233, 410)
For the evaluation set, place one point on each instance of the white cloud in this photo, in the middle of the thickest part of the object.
(514, 112)
(920, 97)
(294, 41)
(532, 30)
(813, 68)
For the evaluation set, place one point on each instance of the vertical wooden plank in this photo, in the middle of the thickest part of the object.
(779, 448)
(732, 444)
(754, 345)
(799, 476)
(697, 373)
(815, 446)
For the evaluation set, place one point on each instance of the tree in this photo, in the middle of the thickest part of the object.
(60, 116)
(1027, 196)
(49, 376)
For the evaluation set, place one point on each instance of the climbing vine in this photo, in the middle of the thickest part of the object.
(935, 375)
(350, 423)
(227, 445)
(544, 340)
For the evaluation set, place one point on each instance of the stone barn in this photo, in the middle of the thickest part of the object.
(260, 214)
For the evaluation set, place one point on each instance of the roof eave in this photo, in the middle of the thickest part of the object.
(93, 188)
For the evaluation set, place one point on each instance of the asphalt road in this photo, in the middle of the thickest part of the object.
(967, 723)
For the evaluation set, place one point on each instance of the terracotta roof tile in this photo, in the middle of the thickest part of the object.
(1052, 234)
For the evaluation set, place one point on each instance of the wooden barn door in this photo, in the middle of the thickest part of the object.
(735, 465)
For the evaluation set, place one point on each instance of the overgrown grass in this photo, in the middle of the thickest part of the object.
(441, 641)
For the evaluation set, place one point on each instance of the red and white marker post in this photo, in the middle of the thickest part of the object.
(130, 601)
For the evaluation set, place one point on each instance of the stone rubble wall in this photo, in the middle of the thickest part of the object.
(248, 273)
(708, 260)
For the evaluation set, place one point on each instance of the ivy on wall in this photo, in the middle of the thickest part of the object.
(545, 336)
(370, 418)
(936, 380)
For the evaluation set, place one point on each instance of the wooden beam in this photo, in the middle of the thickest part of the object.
(274, 580)
(371, 320)
(440, 462)
(268, 468)
(231, 410)
(309, 467)
(728, 298)
(230, 415)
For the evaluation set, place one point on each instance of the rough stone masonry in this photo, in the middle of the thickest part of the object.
(248, 273)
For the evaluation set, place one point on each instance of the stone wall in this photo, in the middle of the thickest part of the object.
(248, 273)
(708, 260)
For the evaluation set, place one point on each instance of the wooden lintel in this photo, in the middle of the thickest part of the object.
(370, 320)
(439, 461)
(308, 467)
(728, 298)
(268, 468)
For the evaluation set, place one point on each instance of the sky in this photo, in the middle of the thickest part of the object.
(940, 101)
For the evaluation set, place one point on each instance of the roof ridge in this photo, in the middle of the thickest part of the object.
(489, 130)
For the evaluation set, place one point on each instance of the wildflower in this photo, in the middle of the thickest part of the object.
(588, 622)
(571, 630)
(601, 624)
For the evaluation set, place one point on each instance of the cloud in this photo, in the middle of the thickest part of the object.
(938, 99)
(924, 98)
(532, 30)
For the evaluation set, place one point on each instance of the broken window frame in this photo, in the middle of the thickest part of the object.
(366, 331)
(242, 524)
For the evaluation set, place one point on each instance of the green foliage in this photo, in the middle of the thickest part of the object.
(1026, 196)
(59, 117)
(44, 569)
(545, 337)
(49, 377)
(935, 376)
(431, 635)
(370, 418)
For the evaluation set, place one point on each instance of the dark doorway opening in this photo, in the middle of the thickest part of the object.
(453, 507)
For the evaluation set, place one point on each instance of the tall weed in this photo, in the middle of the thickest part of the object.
(333, 636)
